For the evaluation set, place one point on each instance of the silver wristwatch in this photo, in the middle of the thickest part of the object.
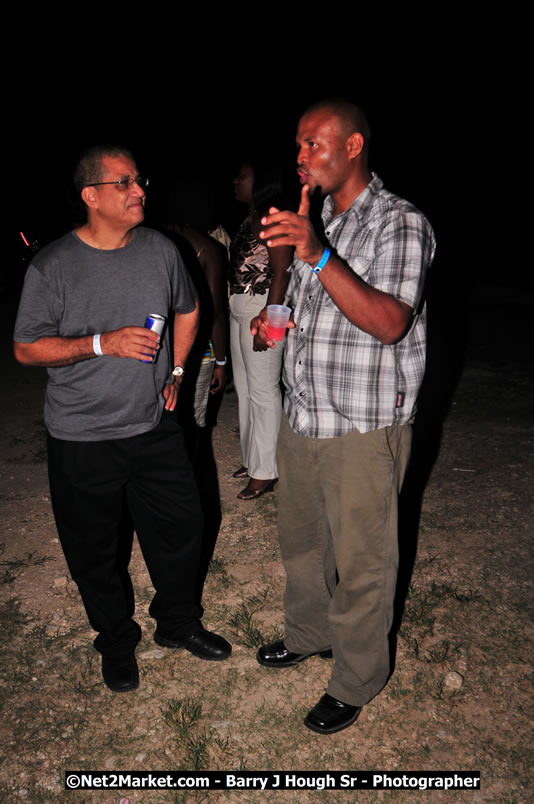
(178, 371)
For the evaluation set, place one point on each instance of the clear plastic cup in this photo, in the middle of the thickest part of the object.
(277, 318)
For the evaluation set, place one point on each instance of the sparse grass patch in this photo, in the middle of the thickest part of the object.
(217, 568)
(180, 714)
(12, 619)
(442, 652)
(248, 633)
(428, 605)
(198, 745)
(16, 565)
(247, 629)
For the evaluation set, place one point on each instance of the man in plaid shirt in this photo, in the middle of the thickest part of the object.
(354, 362)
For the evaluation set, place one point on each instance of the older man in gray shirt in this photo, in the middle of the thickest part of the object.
(114, 444)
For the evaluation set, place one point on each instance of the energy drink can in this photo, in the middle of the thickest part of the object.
(156, 323)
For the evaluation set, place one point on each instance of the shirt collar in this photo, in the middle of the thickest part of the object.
(362, 204)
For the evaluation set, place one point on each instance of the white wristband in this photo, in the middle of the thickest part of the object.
(96, 345)
(221, 362)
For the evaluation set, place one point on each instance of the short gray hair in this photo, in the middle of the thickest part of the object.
(89, 169)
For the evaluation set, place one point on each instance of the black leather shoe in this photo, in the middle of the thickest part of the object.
(331, 715)
(277, 655)
(203, 644)
(120, 673)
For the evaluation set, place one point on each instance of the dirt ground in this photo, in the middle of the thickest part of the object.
(460, 696)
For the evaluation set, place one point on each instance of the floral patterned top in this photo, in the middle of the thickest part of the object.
(250, 270)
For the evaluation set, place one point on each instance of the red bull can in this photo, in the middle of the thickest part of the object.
(156, 323)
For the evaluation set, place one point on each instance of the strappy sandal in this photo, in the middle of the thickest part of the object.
(241, 472)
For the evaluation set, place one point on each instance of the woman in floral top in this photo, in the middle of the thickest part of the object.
(258, 277)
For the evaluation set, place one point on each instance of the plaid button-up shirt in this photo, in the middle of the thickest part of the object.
(337, 377)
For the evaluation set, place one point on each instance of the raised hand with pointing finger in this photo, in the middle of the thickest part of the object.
(294, 229)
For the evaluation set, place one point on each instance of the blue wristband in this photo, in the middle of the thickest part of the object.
(322, 262)
(96, 345)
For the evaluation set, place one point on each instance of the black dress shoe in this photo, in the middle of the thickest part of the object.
(277, 655)
(120, 673)
(331, 715)
(203, 644)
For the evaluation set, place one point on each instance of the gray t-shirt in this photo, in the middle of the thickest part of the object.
(72, 289)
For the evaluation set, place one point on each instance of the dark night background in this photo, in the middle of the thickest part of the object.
(189, 91)
(193, 121)
(202, 132)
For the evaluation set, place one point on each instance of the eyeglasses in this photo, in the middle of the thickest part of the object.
(126, 183)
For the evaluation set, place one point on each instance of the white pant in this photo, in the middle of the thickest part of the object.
(257, 383)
